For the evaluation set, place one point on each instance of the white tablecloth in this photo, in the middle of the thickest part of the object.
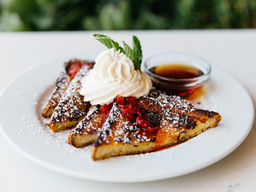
(232, 50)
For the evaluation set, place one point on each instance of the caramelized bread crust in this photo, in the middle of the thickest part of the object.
(61, 85)
(86, 131)
(72, 107)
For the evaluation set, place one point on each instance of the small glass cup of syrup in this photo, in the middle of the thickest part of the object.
(177, 73)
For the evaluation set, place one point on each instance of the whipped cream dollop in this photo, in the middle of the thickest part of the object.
(114, 74)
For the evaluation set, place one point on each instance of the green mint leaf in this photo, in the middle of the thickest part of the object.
(137, 48)
(117, 47)
(104, 40)
(108, 42)
(130, 53)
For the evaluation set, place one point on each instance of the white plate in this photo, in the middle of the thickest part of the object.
(21, 124)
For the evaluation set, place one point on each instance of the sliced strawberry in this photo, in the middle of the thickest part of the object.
(104, 108)
(119, 99)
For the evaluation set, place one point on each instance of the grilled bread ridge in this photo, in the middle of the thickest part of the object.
(86, 130)
(171, 104)
(61, 86)
(103, 138)
(119, 136)
(72, 107)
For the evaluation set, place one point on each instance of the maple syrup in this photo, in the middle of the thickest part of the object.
(175, 78)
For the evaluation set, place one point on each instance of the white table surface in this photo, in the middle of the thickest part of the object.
(232, 50)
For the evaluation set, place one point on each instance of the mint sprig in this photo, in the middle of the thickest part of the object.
(134, 53)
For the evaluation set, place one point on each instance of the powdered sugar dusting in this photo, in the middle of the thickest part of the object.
(59, 89)
(35, 126)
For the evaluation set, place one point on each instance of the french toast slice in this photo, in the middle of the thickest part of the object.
(174, 124)
(62, 83)
(86, 130)
(72, 107)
